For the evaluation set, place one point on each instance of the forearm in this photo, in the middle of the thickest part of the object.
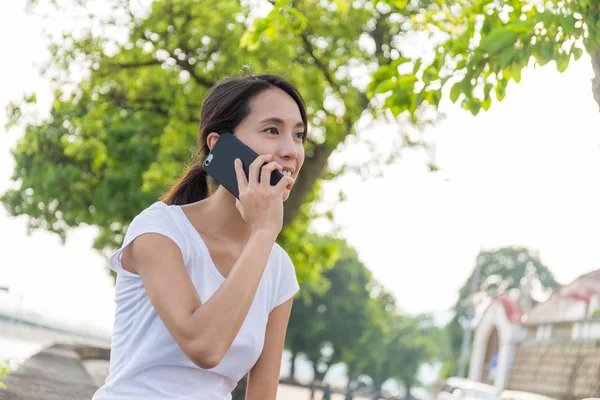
(218, 321)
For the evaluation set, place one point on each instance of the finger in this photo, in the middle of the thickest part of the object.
(255, 167)
(240, 174)
(284, 183)
(265, 175)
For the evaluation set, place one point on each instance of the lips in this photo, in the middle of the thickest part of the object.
(290, 173)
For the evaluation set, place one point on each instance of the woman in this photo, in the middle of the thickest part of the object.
(203, 292)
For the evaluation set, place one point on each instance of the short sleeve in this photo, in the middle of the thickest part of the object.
(154, 219)
(287, 284)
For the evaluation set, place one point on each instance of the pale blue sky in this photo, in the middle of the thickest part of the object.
(525, 173)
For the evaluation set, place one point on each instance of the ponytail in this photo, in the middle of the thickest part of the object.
(192, 187)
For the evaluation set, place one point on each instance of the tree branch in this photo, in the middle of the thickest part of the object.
(140, 64)
(200, 80)
(311, 50)
(184, 64)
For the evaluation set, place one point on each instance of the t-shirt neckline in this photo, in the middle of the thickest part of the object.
(196, 234)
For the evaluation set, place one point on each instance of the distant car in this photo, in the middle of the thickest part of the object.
(516, 395)
(466, 389)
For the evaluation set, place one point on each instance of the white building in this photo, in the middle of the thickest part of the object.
(535, 351)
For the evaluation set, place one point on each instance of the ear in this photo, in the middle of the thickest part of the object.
(212, 139)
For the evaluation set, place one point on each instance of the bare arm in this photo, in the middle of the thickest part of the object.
(205, 332)
(264, 376)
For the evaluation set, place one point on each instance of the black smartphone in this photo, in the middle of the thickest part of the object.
(219, 163)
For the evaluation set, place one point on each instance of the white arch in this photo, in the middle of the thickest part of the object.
(509, 334)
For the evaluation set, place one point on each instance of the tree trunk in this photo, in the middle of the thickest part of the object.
(351, 377)
(596, 79)
(292, 377)
(311, 171)
(408, 393)
(320, 376)
(377, 385)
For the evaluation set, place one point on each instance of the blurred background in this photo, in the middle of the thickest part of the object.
(451, 228)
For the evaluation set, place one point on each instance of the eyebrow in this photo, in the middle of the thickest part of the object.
(281, 122)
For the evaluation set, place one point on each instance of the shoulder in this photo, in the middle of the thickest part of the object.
(158, 212)
(282, 260)
(159, 218)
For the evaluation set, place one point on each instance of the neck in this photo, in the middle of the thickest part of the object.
(221, 218)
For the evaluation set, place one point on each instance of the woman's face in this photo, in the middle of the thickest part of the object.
(274, 126)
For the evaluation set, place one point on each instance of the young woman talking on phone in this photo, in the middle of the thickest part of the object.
(203, 292)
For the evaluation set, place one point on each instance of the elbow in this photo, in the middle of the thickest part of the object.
(207, 355)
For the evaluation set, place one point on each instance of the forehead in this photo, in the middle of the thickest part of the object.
(274, 103)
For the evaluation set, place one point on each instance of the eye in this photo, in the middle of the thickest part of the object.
(300, 135)
(272, 130)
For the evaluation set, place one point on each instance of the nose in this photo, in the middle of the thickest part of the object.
(288, 148)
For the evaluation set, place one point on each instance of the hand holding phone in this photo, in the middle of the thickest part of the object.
(260, 204)
(219, 163)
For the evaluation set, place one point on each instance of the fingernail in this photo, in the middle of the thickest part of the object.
(237, 161)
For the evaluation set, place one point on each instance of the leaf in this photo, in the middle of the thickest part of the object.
(460, 44)
(546, 52)
(499, 38)
(455, 92)
(501, 89)
(506, 56)
(385, 72)
(514, 72)
(407, 81)
(474, 106)
(417, 66)
(487, 100)
(568, 25)
(386, 86)
(577, 53)
(487, 24)
(562, 62)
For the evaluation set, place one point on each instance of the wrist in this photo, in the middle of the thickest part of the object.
(263, 234)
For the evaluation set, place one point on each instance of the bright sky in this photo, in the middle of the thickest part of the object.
(525, 173)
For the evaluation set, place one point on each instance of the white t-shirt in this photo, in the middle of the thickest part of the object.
(145, 360)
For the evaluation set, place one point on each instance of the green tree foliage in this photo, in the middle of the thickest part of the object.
(476, 46)
(366, 357)
(483, 44)
(356, 322)
(326, 326)
(123, 125)
(404, 344)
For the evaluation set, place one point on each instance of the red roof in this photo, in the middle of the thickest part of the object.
(511, 308)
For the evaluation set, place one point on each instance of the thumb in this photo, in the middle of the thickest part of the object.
(238, 205)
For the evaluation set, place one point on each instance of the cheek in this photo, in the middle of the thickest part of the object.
(301, 156)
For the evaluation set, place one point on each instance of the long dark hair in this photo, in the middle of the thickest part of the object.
(225, 105)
